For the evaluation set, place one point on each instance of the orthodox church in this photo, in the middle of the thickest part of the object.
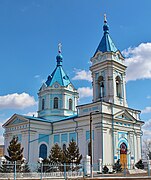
(116, 128)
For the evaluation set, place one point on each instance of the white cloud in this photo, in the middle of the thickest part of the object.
(31, 114)
(82, 75)
(85, 92)
(16, 101)
(138, 60)
(37, 76)
(146, 110)
(148, 97)
(147, 124)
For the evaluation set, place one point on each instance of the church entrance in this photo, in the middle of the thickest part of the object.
(123, 155)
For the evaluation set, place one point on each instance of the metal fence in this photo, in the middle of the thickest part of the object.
(40, 171)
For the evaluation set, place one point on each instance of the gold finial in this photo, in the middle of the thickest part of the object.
(105, 20)
(59, 47)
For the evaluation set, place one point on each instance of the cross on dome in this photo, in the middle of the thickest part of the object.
(105, 20)
(59, 47)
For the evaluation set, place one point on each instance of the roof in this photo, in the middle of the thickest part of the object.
(58, 74)
(66, 118)
(36, 118)
(106, 44)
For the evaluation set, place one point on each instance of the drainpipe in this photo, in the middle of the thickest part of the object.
(76, 130)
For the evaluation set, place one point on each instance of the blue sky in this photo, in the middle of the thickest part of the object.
(30, 31)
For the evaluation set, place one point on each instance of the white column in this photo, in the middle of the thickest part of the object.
(106, 147)
(63, 101)
(81, 142)
(135, 149)
(98, 143)
(138, 146)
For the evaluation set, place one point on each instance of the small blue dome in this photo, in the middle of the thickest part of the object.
(106, 28)
(59, 59)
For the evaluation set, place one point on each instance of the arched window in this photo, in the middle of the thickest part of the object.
(101, 87)
(70, 104)
(118, 86)
(64, 147)
(89, 149)
(123, 148)
(43, 104)
(43, 151)
(55, 103)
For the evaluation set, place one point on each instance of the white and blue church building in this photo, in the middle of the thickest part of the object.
(116, 132)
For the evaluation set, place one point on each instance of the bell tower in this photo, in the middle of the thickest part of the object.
(108, 71)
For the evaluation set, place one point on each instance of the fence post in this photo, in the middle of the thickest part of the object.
(149, 162)
(124, 170)
(100, 166)
(86, 163)
(41, 171)
(65, 175)
(14, 170)
(132, 163)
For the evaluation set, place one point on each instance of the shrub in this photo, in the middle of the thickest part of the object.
(139, 164)
(117, 166)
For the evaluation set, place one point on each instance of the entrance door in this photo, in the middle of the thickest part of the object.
(123, 155)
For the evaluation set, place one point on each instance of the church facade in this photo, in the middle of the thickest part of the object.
(116, 128)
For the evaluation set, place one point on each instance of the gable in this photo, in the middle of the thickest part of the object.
(124, 115)
(15, 120)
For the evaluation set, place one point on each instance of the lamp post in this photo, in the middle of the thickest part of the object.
(91, 145)
(40, 161)
(14, 170)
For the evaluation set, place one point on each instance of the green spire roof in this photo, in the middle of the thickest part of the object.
(58, 74)
(106, 44)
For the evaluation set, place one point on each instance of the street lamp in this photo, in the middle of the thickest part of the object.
(3, 159)
(40, 161)
(91, 145)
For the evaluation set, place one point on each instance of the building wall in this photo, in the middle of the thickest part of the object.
(2, 147)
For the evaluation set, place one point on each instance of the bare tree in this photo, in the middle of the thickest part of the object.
(147, 149)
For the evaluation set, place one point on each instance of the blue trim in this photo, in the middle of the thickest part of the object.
(56, 138)
(43, 138)
(115, 157)
(88, 135)
(73, 136)
(64, 137)
(19, 137)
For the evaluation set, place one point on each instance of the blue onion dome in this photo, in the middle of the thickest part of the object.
(59, 56)
(105, 27)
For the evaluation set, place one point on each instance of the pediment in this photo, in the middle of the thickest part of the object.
(15, 120)
(71, 87)
(124, 115)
